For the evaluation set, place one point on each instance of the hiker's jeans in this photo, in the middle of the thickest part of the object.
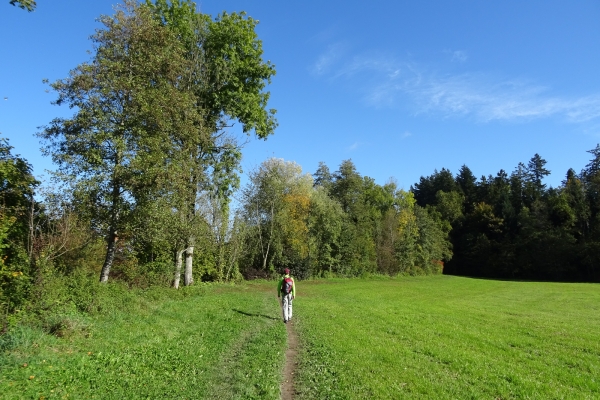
(286, 304)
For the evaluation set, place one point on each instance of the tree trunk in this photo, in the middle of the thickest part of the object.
(110, 256)
(112, 234)
(188, 278)
(178, 269)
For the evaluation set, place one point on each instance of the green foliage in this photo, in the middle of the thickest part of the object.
(275, 204)
(28, 5)
(125, 98)
(519, 228)
(17, 208)
(325, 223)
(15, 284)
(345, 225)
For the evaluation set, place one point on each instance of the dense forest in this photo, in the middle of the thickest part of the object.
(514, 226)
(147, 185)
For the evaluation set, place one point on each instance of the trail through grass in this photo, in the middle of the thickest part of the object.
(435, 337)
(448, 338)
(217, 342)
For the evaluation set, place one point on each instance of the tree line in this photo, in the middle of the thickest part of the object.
(336, 224)
(147, 186)
(514, 226)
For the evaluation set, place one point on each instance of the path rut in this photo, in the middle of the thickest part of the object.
(291, 355)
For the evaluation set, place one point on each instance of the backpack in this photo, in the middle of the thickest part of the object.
(288, 284)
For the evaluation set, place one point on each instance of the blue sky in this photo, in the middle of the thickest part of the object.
(401, 88)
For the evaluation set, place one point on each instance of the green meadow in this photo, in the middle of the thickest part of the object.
(412, 337)
(449, 338)
(213, 342)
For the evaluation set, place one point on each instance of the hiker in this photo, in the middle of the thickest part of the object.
(287, 289)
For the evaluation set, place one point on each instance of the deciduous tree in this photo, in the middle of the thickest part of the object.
(125, 99)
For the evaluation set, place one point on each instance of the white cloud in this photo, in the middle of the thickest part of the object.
(354, 146)
(459, 56)
(405, 135)
(326, 60)
(380, 64)
(488, 99)
(387, 82)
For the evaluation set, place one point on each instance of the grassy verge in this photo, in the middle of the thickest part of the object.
(200, 342)
(448, 338)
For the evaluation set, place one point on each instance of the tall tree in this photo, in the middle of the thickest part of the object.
(591, 178)
(17, 187)
(323, 176)
(468, 186)
(275, 203)
(227, 80)
(535, 172)
(325, 222)
(125, 98)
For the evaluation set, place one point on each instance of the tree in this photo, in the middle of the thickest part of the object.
(591, 177)
(17, 207)
(227, 78)
(323, 176)
(427, 188)
(17, 188)
(468, 186)
(325, 223)
(397, 239)
(275, 204)
(534, 173)
(574, 191)
(360, 200)
(28, 5)
(125, 98)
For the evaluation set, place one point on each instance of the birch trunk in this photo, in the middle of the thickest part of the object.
(112, 235)
(178, 263)
(188, 277)
(110, 256)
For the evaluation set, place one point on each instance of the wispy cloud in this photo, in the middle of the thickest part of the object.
(354, 146)
(488, 99)
(459, 56)
(381, 64)
(405, 135)
(386, 81)
(327, 59)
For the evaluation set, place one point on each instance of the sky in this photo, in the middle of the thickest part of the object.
(401, 88)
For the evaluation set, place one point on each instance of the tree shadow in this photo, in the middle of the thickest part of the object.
(253, 315)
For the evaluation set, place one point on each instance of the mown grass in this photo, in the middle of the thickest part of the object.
(448, 338)
(200, 342)
(426, 337)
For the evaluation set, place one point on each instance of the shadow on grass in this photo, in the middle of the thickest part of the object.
(253, 315)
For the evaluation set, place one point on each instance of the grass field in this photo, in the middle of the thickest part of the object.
(426, 337)
(448, 338)
(219, 342)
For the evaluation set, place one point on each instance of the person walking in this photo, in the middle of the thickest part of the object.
(286, 288)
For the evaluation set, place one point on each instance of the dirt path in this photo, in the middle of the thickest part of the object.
(291, 354)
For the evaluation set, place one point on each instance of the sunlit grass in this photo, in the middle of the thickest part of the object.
(448, 338)
(427, 337)
(216, 342)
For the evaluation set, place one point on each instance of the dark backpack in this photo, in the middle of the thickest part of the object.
(288, 284)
